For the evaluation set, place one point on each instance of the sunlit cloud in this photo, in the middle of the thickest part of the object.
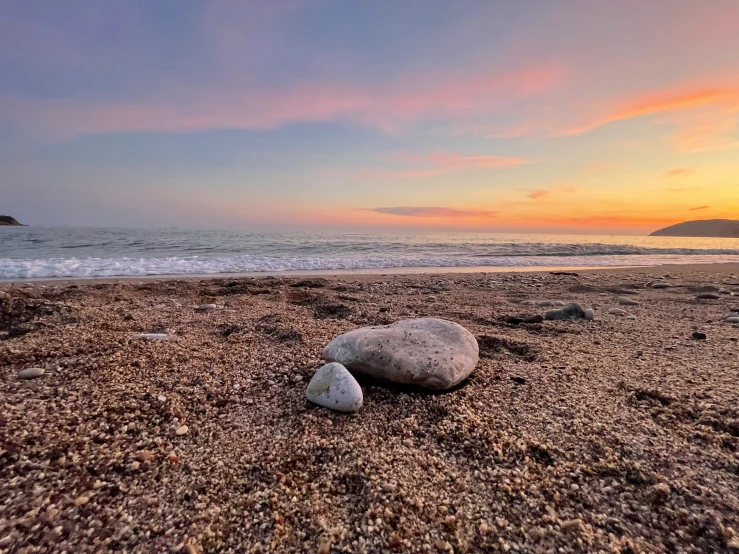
(670, 100)
(415, 211)
(385, 106)
(539, 194)
(678, 171)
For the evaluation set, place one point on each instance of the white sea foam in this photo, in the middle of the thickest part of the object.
(14, 269)
(43, 253)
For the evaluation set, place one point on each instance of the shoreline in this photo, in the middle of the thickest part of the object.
(367, 273)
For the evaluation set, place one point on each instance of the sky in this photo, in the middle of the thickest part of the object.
(567, 116)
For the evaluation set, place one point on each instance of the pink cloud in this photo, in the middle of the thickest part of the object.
(669, 100)
(253, 107)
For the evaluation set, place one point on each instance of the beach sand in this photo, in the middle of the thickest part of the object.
(615, 435)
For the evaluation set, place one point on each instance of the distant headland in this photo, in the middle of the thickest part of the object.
(7, 220)
(715, 228)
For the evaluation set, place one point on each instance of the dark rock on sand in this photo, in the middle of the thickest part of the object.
(427, 352)
(570, 311)
(513, 320)
(707, 296)
(697, 335)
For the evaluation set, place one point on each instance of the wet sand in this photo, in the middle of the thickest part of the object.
(615, 435)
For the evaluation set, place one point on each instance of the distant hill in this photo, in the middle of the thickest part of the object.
(726, 228)
(7, 220)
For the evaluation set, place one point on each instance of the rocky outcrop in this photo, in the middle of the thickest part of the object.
(6, 220)
(718, 228)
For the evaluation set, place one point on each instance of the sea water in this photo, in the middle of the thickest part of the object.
(42, 253)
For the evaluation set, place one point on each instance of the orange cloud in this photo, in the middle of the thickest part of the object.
(385, 106)
(677, 172)
(665, 101)
(699, 208)
(538, 194)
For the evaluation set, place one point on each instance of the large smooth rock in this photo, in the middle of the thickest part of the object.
(334, 387)
(626, 301)
(570, 311)
(427, 352)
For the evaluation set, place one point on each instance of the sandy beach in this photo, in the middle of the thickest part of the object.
(614, 435)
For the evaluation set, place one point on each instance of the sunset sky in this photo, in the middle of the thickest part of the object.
(596, 116)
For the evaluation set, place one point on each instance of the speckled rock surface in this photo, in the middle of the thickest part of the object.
(334, 387)
(427, 352)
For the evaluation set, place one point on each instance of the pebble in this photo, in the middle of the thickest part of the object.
(388, 487)
(630, 317)
(707, 296)
(82, 500)
(626, 301)
(335, 388)
(724, 291)
(661, 286)
(571, 525)
(589, 315)
(150, 336)
(206, 307)
(617, 311)
(732, 319)
(545, 304)
(181, 430)
(145, 455)
(31, 373)
(697, 335)
(559, 304)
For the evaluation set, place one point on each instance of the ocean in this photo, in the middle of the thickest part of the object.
(47, 253)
